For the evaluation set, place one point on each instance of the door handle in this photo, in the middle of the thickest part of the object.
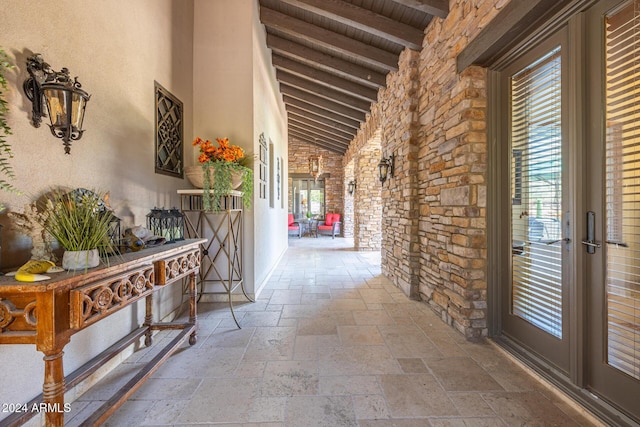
(590, 241)
(591, 245)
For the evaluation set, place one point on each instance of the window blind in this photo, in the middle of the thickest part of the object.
(622, 189)
(536, 145)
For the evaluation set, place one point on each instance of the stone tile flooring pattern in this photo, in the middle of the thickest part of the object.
(330, 342)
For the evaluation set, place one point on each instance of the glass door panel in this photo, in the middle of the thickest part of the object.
(537, 152)
(535, 298)
(308, 196)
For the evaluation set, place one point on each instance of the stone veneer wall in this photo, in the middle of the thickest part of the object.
(434, 208)
(299, 153)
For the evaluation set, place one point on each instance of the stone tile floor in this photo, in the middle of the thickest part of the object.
(330, 342)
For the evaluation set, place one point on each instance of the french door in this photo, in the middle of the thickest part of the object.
(308, 196)
(535, 299)
(570, 291)
(613, 204)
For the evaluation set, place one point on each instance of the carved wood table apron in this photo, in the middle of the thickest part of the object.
(48, 313)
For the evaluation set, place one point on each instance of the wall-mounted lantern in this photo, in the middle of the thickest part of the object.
(385, 168)
(351, 187)
(65, 100)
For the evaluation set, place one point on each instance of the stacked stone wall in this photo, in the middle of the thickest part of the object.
(333, 169)
(433, 119)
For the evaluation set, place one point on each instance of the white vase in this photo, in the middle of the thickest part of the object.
(195, 175)
(80, 260)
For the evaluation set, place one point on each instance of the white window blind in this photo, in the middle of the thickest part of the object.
(536, 144)
(622, 188)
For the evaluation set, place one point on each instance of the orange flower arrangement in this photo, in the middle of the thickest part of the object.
(219, 163)
(223, 152)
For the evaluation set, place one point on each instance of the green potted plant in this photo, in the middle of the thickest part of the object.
(80, 221)
(221, 166)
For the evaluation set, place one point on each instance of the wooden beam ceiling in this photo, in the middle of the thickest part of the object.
(332, 57)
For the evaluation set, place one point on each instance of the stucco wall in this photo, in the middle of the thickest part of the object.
(236, 96)
(117, 49)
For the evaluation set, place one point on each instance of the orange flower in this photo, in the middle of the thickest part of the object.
(223, 152)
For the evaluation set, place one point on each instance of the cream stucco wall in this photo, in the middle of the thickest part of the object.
(237, 97)
(211, 55)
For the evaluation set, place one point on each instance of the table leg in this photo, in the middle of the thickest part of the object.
(148, 319)
(193, 308)
(53, 389)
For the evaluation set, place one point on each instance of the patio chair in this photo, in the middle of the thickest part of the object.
(294, 227)
(330, 226)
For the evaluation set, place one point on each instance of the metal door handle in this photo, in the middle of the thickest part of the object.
(591, 244)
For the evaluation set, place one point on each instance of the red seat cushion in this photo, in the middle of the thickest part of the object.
(325, 227)
(328, 220)
(294, 227)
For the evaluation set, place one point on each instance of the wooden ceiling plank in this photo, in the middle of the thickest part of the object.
(438, 8)
(318, 143)
(506, 30)
(324, 92)
(320, 126)
(293, 125)
(331, 40)
(322, 103)
(321, 119)
(321, 112)
(316, 59)
(318, 139)
(321, 77)
(364, 20)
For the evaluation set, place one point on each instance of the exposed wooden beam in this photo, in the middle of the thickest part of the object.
(433, 7)
(293, 117)
(507, 29)
(316, 59)
(322, 103)
(321, 77)
(319, 111)
(334, 41)
(323, 91)
(293, 125)
(364, 20)
(317, 138)
(317, 142)
(321, 119)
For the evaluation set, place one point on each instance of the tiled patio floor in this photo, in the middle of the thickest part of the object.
(330, 342)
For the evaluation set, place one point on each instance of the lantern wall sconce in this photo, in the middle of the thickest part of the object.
(385, 168)
(65, 100)
(351, 187)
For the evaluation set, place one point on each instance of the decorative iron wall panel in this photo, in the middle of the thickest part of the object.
(169, 133)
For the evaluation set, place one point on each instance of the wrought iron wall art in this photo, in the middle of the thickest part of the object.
(263, 166)
(169, 133)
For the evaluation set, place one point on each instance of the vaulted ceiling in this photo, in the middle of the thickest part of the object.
(332, 56)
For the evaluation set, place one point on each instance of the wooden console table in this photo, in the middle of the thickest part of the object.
(48, 313)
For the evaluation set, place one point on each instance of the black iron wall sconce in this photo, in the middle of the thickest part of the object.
(351, 187)
(65, 100)
(385, 168)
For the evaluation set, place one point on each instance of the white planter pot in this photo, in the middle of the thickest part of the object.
(80, 260)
